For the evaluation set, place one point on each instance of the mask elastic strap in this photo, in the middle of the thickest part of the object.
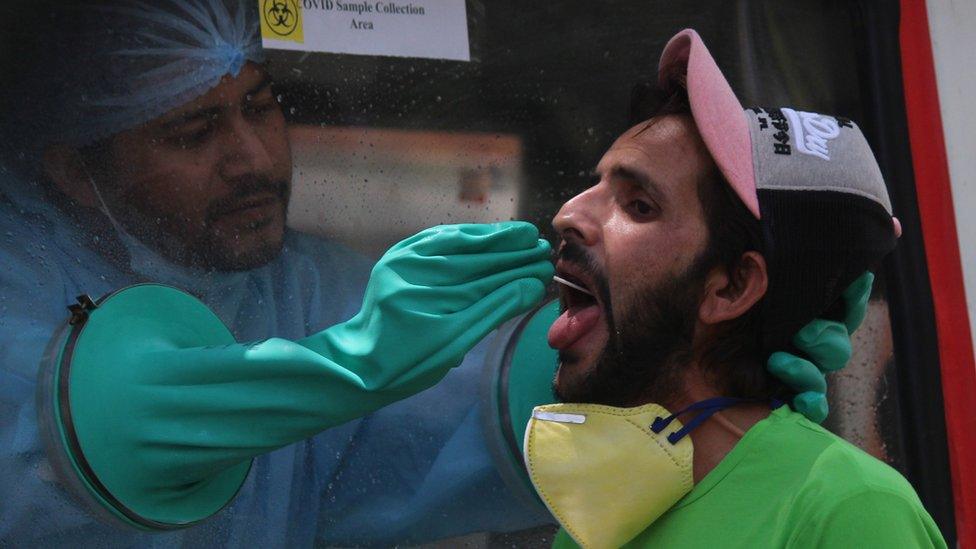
(707, 409)
(101, 202)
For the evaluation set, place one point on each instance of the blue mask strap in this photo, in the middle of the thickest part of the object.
(706, 409)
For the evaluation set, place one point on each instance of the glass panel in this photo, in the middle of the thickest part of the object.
(368, 149)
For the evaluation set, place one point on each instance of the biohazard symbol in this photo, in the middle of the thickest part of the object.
(281, 16)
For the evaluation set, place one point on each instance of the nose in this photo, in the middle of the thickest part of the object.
(245, 150)
(579, 218)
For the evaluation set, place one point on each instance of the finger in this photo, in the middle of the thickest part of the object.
(444, 300)
(508, 301)
(856, 298)
(458, 269)
(478, 239)
(440, 232)
(483, 287)
(799, 374)
(449, 299)
(813, 405)
(476, 322)
(826, 343)
(413, 239)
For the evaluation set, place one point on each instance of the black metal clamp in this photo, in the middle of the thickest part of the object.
(81, 310)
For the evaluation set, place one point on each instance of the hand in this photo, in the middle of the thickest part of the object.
(433, 296)
(827, 344)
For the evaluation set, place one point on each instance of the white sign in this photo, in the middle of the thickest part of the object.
(433, 29)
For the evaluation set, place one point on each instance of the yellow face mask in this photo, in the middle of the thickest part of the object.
(602, 471)
(608, 473)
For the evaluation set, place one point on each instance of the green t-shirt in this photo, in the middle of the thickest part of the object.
(792, 483)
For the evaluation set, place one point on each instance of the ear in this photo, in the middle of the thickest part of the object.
(65, 168)
(729, 295)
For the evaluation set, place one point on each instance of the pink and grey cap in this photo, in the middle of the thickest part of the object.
(810, 179)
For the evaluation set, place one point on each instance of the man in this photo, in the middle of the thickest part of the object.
(156, 151)
(710, 235)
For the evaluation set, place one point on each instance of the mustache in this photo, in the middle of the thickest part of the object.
(640, 362)
(575, 254)
(246, 189)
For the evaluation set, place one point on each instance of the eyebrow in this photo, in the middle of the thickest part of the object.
(211, 112)
(259, 87)
(630, 174)
(191, 116)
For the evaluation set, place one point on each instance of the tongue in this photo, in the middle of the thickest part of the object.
(572, 325)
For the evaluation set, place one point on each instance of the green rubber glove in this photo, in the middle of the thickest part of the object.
(432, 297)
(169, 410)
(827, 345)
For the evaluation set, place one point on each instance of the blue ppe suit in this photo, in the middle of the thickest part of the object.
(414, 471)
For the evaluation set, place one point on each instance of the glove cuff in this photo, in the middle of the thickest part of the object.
(89, 406)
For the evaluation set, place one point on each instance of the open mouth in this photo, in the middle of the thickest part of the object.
(572, 285)
(581, 310)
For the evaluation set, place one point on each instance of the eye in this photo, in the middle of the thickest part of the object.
(192, 139)
(642, 208)
(262, 108)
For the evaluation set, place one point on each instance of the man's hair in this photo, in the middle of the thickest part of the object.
(734, 359)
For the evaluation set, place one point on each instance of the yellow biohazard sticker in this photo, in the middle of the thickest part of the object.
(282, 20)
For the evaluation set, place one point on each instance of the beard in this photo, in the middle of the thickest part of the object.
(211, 249)
(224, 251)
(648, 346)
